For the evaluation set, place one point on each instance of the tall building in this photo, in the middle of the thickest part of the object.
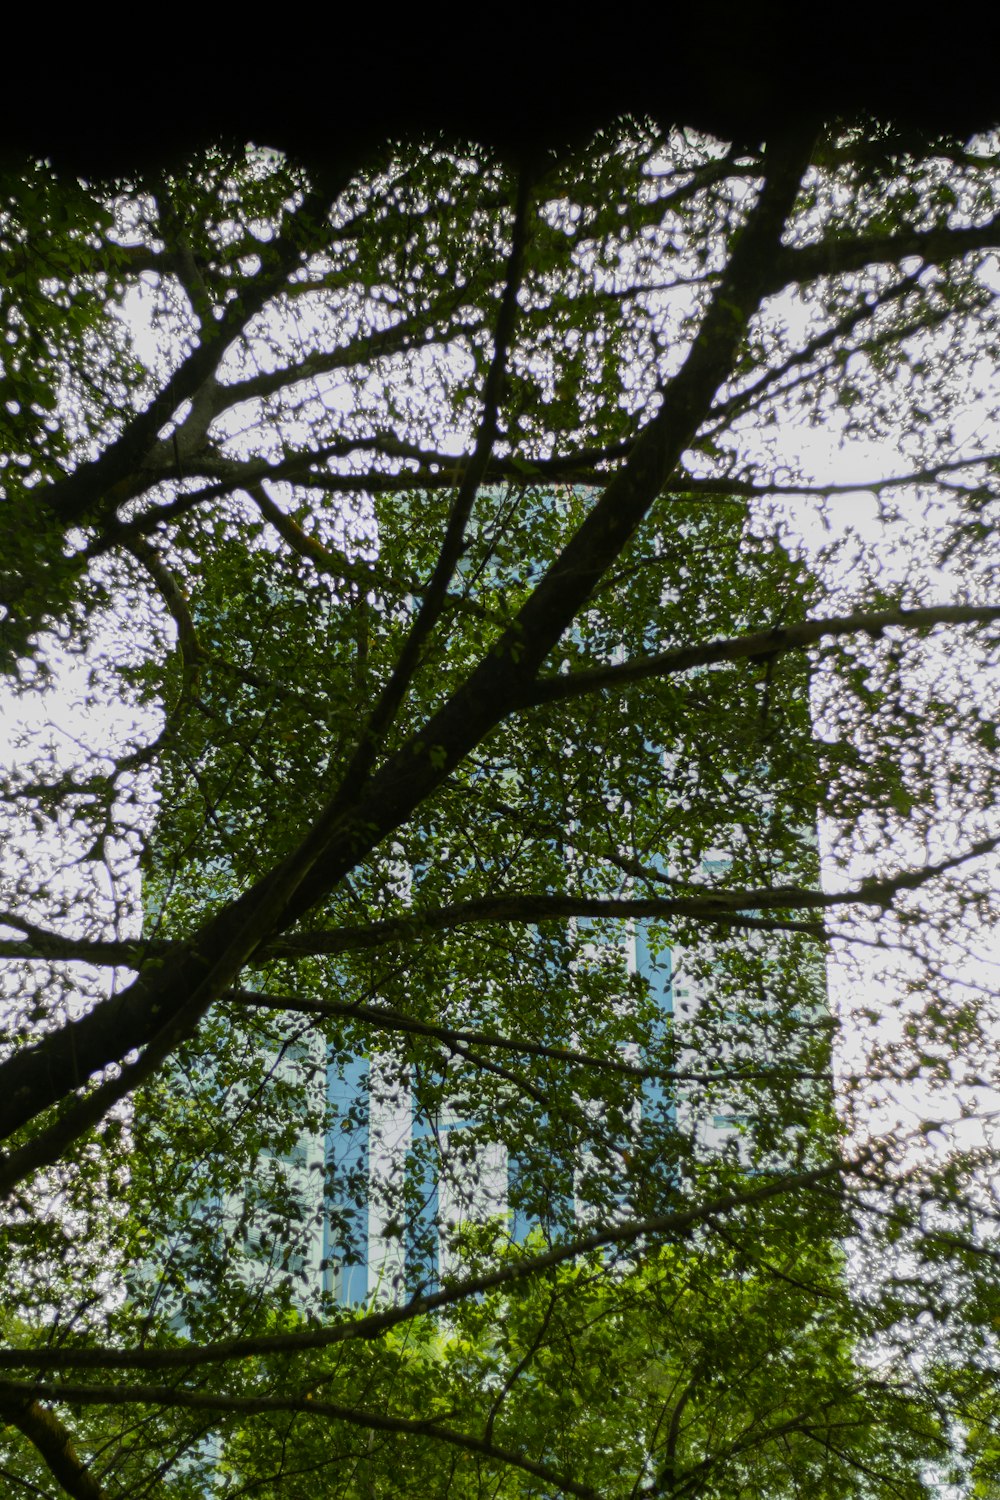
(422, 1179)
(368, 1170)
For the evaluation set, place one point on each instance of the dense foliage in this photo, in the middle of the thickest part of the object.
(458, 666)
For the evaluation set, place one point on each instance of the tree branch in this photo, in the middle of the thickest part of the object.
(382, 1018)
(439, 471)
(331, 563)
(51, 1440)
(668, 1226)
(173, 597)
(408, 333)
(452, 546)
(89, 492)
(531, 907)
(710, 905)
(758, 645)
(750, 396)
(729, 488)
(166, 1396)
(833, 258)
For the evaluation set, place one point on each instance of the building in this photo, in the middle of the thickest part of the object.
(425, 1177)
(372, 1162)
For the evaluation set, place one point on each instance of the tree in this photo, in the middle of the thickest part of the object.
(668, 1372)
(436, 533)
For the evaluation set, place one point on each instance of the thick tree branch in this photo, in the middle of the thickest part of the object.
(53, 947)
(526, 907)
(438, 472)
(604, 533)
(447, 475)
(710, 905)
(758, 645)
(531, 907)
(306, 470)
(55, 1065)
(45, 945)
(166, 1396)
(833, 258)
(233, 474)
(52, 1442)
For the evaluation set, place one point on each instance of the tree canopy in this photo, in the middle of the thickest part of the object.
(446, 580)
